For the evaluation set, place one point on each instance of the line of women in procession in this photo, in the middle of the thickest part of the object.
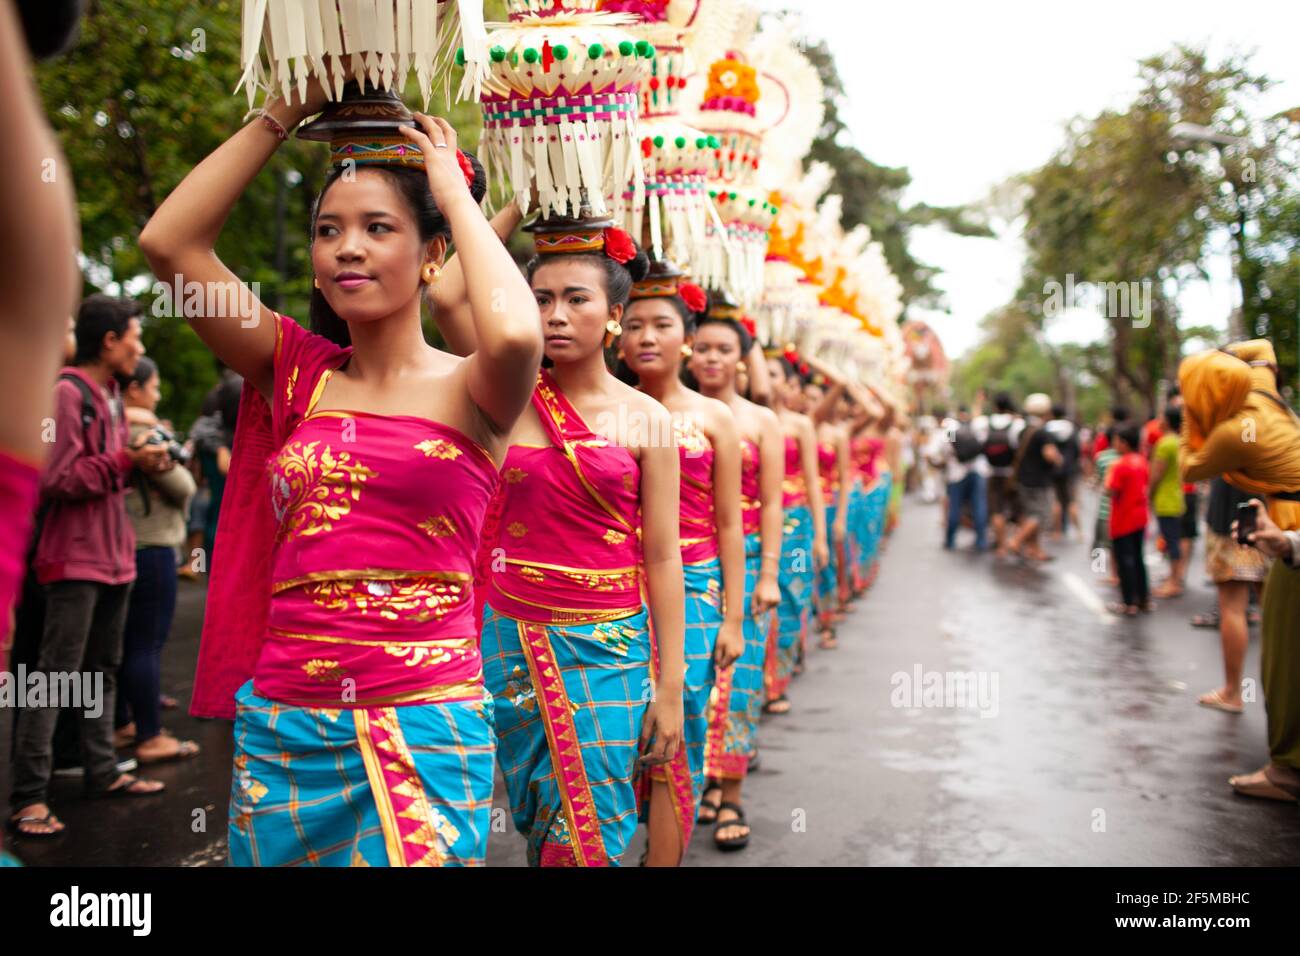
(433, 559)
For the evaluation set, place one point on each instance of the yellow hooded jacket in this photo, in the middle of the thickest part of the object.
(1235, 424)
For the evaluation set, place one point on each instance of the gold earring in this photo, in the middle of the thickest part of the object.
(613, 328)
(686, 351)
(315, 282)
(429, 273)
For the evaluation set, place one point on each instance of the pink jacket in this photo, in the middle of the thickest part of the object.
(86, 535)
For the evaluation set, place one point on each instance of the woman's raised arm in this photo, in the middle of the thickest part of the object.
(179, 243)
(507, 326)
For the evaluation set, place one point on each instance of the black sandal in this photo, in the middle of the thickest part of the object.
(769, 707)
(704, 804)
(734, 843)
(15, 825)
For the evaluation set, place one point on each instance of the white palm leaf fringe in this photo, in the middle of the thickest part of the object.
(575, 163)
(376, 42)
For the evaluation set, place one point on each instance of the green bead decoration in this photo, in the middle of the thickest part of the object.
(659, 142)
(530, 55)
(626, 47)
(498, 54)
(644, 48)
(713, 143)
(680, 142)
(731, 196)
(595, 51)
(460, 56)
(561, 52)
(701, 142)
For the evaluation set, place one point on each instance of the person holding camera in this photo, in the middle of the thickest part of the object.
(85, 557)
(157, 506)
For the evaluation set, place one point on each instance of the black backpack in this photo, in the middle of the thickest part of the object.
(997, 448)
(965, 446)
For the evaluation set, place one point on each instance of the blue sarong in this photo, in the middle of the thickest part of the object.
(408, 785)
(570, 700)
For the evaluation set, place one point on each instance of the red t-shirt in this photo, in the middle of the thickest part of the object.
(1128, 478)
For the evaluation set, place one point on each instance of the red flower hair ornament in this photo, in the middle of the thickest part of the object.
(748, 323)
(466, 167)
(619, 246)
(693, 296)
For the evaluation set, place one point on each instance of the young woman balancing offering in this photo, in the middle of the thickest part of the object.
(582, 539)
(803, 545)
(364, 736)
(658, 330)
(835, 471)
(720, 344)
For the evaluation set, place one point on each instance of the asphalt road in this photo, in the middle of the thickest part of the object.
(1082, 746)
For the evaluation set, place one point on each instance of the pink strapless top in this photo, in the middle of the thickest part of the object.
(19, 488)
(699, 528)
(794, 488)
(751, 497)
(377, 525)
(564, 541)
(829, 471)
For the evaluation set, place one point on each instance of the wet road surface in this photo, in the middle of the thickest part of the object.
(1083, 746)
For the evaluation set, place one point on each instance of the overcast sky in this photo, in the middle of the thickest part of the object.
(966, 94)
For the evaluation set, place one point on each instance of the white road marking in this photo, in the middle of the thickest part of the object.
(1087, 597)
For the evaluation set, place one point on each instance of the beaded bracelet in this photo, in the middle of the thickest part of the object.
(270, 122)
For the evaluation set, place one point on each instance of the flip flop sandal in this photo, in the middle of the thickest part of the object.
(1205, 620)
(774, 706)
(705, 805)
(734, 843)
(184, 750)
(15, 825)
(125, 791)
(1215, 701)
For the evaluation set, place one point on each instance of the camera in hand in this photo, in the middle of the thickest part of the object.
(175, 450)
(1246, 515)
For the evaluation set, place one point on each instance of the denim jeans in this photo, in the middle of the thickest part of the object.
(148, 621)
(83, 632)
(971, 488)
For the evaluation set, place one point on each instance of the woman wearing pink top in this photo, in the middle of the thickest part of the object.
(720, 344)
(657, 332)
(344, 588)
(580, 560)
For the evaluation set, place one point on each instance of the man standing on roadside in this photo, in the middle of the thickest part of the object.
(85, 557)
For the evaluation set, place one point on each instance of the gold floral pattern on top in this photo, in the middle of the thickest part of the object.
(325, 671)
(420, 656)
(312, 488)
(290, 385)
(529, 573)
(604, 580)
(414, 599)
(614, 537)
(689, 435)
(439, 448)
(629, 483)
(517, 529)
(514, 475)
(438, 526)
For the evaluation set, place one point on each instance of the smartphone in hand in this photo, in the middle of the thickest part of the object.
(1246, 514)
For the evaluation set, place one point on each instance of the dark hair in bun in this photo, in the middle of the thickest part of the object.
(50, 26)
(619, 276)
(412, 184)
